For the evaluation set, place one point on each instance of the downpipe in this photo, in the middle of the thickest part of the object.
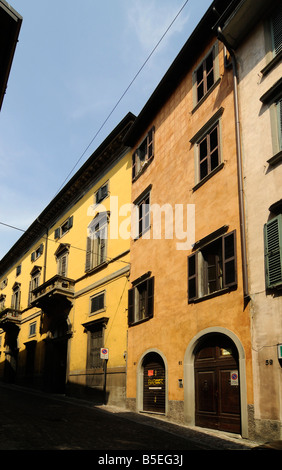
(239, 167)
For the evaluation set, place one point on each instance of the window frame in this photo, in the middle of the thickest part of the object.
(134, 315)
(101, 193)
(141, 158)
(63, 228)
(216, 77)
(102, 308)
(96, 258)
(31, 326)
(197, 273)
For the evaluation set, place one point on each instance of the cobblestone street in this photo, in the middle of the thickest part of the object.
(33, 420)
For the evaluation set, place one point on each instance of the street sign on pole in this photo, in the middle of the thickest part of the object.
(104, 353)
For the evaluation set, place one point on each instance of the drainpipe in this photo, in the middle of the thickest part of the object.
(239, 166)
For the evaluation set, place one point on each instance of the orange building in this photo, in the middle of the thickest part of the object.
(189, 347)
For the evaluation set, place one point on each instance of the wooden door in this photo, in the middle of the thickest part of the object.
(217, 386)
(154, 384)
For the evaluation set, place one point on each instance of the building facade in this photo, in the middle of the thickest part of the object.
(64, 285)
(189, 341)
(254, 35)
(10, 26)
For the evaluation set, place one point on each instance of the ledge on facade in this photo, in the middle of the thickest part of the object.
(55, 289)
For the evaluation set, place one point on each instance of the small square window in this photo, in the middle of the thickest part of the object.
(32, 329)
(97, 303)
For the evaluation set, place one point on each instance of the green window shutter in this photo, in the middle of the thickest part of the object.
(279, 120)
(276, 23)
(273, 252)
(57, 233)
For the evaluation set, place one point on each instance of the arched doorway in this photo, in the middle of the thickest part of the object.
(189, 374)
(217, 384)
(154, 383)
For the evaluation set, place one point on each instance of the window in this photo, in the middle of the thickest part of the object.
(34, 282)
(62, 254)
(102, 193)
(32, 329)
(4, 283)
(206, 75)
(276, 30)
(209, 152)
(64, 228)
(143, 155)
(142, 214)
(97, 241)
(273, 252)
(2, 302)
(212, 268)
(38, 252)
(141, 301)
(97, 303)
(208, 159)
(18, 270)
(95, 343)
(16, 296)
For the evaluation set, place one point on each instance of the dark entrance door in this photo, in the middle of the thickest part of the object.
(217, 393)
(55, 365)
(154, 384)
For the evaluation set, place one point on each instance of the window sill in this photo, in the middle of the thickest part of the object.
(271, 64)
(277, 158)
(97, 268)
(226, 290)
(139, 321)
(210, 175)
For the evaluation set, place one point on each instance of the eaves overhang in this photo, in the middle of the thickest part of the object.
(10, 25)
(239, 19)
(109, 151)
(179, 68)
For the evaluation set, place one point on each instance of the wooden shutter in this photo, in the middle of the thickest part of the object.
(273, 252)
(279, 120)
(70, 222)
(229, 259)
(277, 30)
(134, 165)
(150, 297)
(131, 297)
(88, 262)
(192, 277)
(33, 256)
(150, 144)
(57, 233)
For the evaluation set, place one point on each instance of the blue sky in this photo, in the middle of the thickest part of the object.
(73, 62)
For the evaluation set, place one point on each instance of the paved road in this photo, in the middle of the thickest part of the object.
(36, 421)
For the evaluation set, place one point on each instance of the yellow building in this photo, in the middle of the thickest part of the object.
(64, 284)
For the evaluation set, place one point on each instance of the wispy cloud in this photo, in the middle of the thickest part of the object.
(149, 21)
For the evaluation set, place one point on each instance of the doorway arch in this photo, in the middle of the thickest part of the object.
(152, 380)
(189, 374)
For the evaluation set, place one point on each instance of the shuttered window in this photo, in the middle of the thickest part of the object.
(213, 268)
(96, 245)
(276, 24)
(97, 303)
(279, 120)
(141, 301)
(273, 252)
(95, 343)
